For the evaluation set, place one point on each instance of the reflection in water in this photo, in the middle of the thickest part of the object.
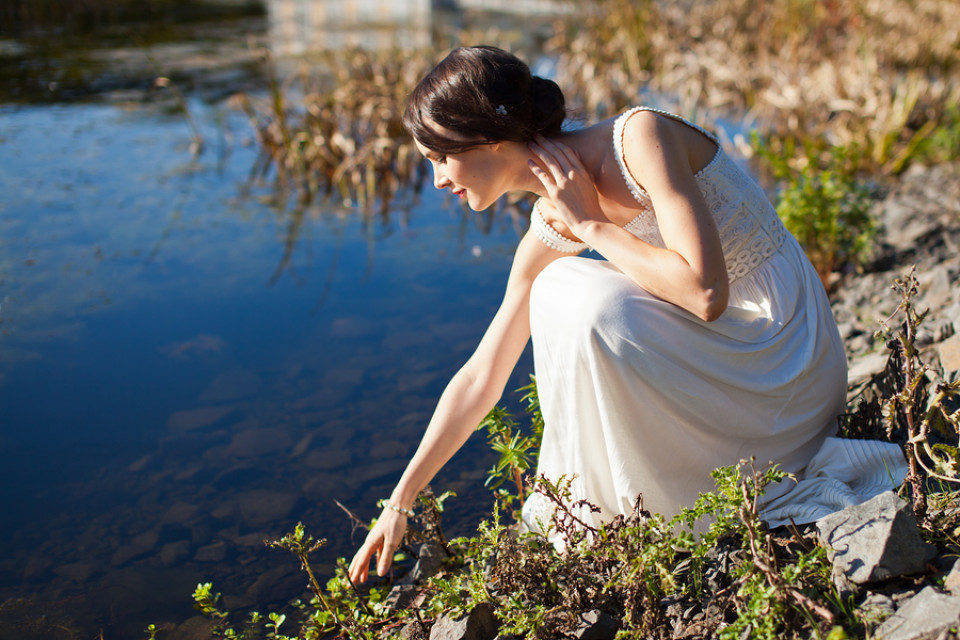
(185, 372)
(164, 407)
(303, 26)
(300, 26)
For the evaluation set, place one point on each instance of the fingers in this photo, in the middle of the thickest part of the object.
(560, 161)
(382, 541)
(360, 565)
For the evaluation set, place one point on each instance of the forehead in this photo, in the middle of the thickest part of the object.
(441, 132)
(426, 153)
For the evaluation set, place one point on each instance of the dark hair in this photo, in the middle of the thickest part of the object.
(486, 95)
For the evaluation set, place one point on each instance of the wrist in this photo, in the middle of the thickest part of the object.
(392, 506)
(586, 228)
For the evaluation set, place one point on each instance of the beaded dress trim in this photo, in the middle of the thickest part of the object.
(550, 236)
(750, 230)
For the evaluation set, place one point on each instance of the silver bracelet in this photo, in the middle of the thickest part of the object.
(385, 504)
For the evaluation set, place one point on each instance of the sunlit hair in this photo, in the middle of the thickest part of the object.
(485, 95)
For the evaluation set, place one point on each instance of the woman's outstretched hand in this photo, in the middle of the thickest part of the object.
(382, 540)
(568, 184)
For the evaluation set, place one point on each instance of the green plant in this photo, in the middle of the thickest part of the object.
(822, 203)
(517, 450)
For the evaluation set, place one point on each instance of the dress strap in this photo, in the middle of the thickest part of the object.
(639, 192)
(550, 236)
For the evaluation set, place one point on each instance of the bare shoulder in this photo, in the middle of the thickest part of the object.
(645, 128)
(659, 145)
(655, 149)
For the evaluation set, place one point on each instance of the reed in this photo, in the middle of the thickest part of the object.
(876, 75)
(332, 130)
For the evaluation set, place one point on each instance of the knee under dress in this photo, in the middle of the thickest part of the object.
(641, 397)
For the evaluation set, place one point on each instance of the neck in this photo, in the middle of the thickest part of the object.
(523, 178)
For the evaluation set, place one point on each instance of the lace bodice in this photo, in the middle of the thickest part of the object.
(750, 230)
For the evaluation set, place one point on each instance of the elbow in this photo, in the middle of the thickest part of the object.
(713, 302)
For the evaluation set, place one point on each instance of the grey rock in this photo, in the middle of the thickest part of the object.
(952, 581)
(877, 607)
(923, 617)
(876, 540)
(412, 631)
(479, 624)
(937, 287)
(430, 561)
(596, 625)
(867, 366)
(401, 596)
(949, 352)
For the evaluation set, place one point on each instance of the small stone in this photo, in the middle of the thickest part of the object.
(923, 617)
(877, 607)
(949, 351)
(596, 625)
(430, 561)
(867, 366)
(401, 596)
(952, 582)
(479, 624)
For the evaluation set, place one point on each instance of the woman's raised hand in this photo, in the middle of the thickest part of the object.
(568, 184)
(383, 540)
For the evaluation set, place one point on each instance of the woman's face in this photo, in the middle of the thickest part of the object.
(476, 175)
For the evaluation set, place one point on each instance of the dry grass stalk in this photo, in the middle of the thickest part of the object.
(341, 136)
(843, 71)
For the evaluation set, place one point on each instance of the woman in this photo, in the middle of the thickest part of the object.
(704, 335)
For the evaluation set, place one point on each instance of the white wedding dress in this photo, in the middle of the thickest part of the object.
(641, 397)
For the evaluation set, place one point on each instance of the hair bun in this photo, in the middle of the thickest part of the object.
(549, 110)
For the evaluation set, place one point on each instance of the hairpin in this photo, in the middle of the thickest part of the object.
(501, 110)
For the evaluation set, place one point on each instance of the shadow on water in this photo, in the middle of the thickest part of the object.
(191, 362)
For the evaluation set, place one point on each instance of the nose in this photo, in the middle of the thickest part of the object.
(439, 180)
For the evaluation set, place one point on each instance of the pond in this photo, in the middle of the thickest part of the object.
(173, 391)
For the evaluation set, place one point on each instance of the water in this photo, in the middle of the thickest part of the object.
(168, 398)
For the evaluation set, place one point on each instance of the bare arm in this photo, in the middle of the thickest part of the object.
(690, 272)
(469, 396)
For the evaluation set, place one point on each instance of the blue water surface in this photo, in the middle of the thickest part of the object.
(172, 391)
